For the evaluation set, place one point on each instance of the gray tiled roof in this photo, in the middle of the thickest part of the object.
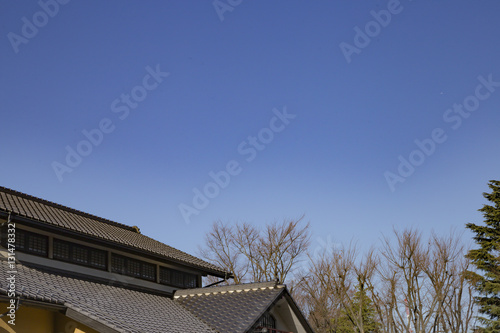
(115, 308)
(74, 220)
(230, 308)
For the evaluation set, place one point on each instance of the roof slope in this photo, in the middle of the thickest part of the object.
(72, 219)
(118, 309)
(232, 308)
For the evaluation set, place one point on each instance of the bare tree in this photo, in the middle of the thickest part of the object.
(457, 306)
(406, 262)
(220, 250)
(411, 285)
(257, 255)
(427, 282)
(383, 288)
(338, 286)
(408, 285)
(284, 245)
(315, 299)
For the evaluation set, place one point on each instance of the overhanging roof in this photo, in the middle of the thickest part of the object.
(236, 308)
(101, 306)
(65, 218)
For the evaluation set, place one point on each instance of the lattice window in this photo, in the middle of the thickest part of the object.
(165, 277)
(133, 267)
(118, 264)
(176, 278)
(190, 280)
(61, 250)
(149, 271)
(266, 321)
(79, 254)
(29, 242)
(20, 240)
(98, 259)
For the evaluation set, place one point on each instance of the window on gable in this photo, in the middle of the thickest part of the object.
(266, 321)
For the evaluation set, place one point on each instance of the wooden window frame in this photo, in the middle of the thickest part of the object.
(127, 267)
(188, 280)
(27, 238)
(73, 248)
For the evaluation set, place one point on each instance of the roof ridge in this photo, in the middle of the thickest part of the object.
(67, 209)
(253, 286)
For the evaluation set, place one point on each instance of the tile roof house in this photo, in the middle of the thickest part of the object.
(63, 270)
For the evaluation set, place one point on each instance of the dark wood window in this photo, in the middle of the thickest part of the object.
(87, 256)
(133, 267)
(176, 278)
(61, 250)
(165, 274)
(20, 240)
(98, 258)
(79, 254)
(118, 264)
(149, 271)
(30, 242)
(266, 321)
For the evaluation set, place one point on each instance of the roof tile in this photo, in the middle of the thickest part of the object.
(119, 308)
(71, 219)
(232, 308)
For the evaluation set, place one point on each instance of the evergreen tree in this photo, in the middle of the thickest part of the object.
(345, 323)
(487, 260)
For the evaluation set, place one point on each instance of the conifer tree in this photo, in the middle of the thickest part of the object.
(361, 303)
(487, 260)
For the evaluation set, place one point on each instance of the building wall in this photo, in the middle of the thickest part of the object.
(286, 320)
(39, 320)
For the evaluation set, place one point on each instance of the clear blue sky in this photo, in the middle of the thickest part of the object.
(72, 69)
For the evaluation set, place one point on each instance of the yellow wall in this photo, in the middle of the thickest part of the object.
(38, 320)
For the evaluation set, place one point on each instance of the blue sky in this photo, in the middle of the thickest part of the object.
(352, 117)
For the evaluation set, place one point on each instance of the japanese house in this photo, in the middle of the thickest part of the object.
(63, 270)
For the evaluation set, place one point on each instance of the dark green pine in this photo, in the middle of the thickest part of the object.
(486, 259)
